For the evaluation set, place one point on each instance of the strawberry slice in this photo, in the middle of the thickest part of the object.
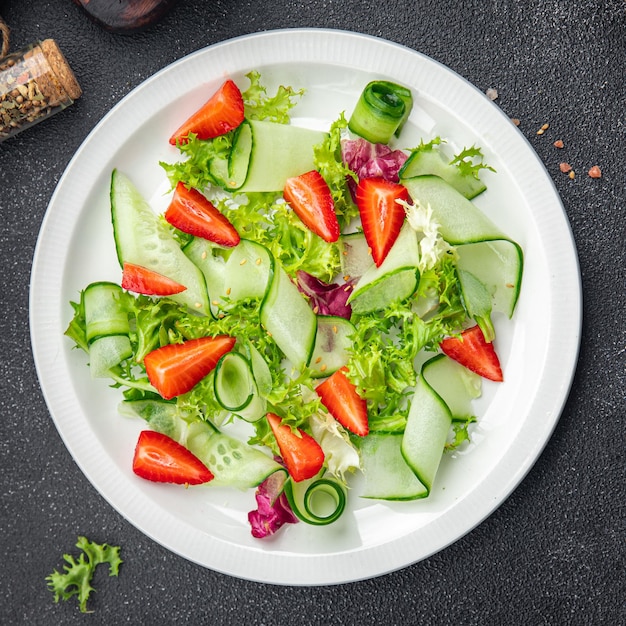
(312, 201)
(192, 213)
(222, 113)
(381, 215)
(472, 351)
(177, 368)
(139, 279)
(343, 402)
(302, 455)
(161, 459)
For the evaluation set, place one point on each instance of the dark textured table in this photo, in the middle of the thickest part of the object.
(555, 550)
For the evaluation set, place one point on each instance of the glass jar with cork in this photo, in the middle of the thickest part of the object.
(35, 83)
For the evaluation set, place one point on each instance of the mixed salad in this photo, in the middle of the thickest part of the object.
(332, 289)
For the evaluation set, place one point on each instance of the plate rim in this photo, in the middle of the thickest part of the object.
(306, 572)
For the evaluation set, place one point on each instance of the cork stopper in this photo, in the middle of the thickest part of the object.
(61, 68)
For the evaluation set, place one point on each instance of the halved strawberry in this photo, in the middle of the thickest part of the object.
(302, 455)
(161, 459)
(381, 215)
(343, 402)
(177, 368)
(139, 279)
(312, 201)
(192, 213)
(222, 113)
(472, 351)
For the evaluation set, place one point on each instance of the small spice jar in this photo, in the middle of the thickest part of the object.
(35, 83)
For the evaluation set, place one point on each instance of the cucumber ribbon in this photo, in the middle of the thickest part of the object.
(403, 466)
(381, 111)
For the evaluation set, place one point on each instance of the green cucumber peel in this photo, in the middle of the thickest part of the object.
(381, 111)
(304, 499)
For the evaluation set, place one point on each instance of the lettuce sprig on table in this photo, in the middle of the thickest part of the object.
(77, 574)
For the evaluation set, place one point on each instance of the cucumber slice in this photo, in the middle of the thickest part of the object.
(105, 313)
(486, 252)
(499, 266)
(433, 162)
(457, 385)
(208, 258)
(356, 258)
(318, 501)
(247, 271)
(239, 161)
(235, 387)
(387, 475)
(287, 316)
(333, 338)
(141, 238)
(107, 352)
(381, 111)
(160, 415)
(278, 152)
(261, 371)
(233, 462)
(443, 393)
(396, 278)
(426, 432)
(460, 220)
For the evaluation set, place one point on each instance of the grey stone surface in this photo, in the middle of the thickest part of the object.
(555, 550)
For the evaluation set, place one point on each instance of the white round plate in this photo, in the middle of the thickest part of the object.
(538, 348)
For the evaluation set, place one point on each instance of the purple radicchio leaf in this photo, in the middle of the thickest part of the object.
(326, 299)
(273, 508)
(369, 160)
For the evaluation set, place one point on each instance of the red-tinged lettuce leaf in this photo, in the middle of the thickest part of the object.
(325, 298)
(370, 160)
(273, 509)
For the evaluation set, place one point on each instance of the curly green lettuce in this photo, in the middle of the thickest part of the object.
(386, 343)
(76, 578)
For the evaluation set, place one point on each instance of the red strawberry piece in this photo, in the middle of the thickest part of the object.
(192, 213)
(312, 201)
(139, 279)
(161, 459)
(382, 216)
(302, 455)
(471, 350)
(340, 397)
(177, 368)
(222, 113)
